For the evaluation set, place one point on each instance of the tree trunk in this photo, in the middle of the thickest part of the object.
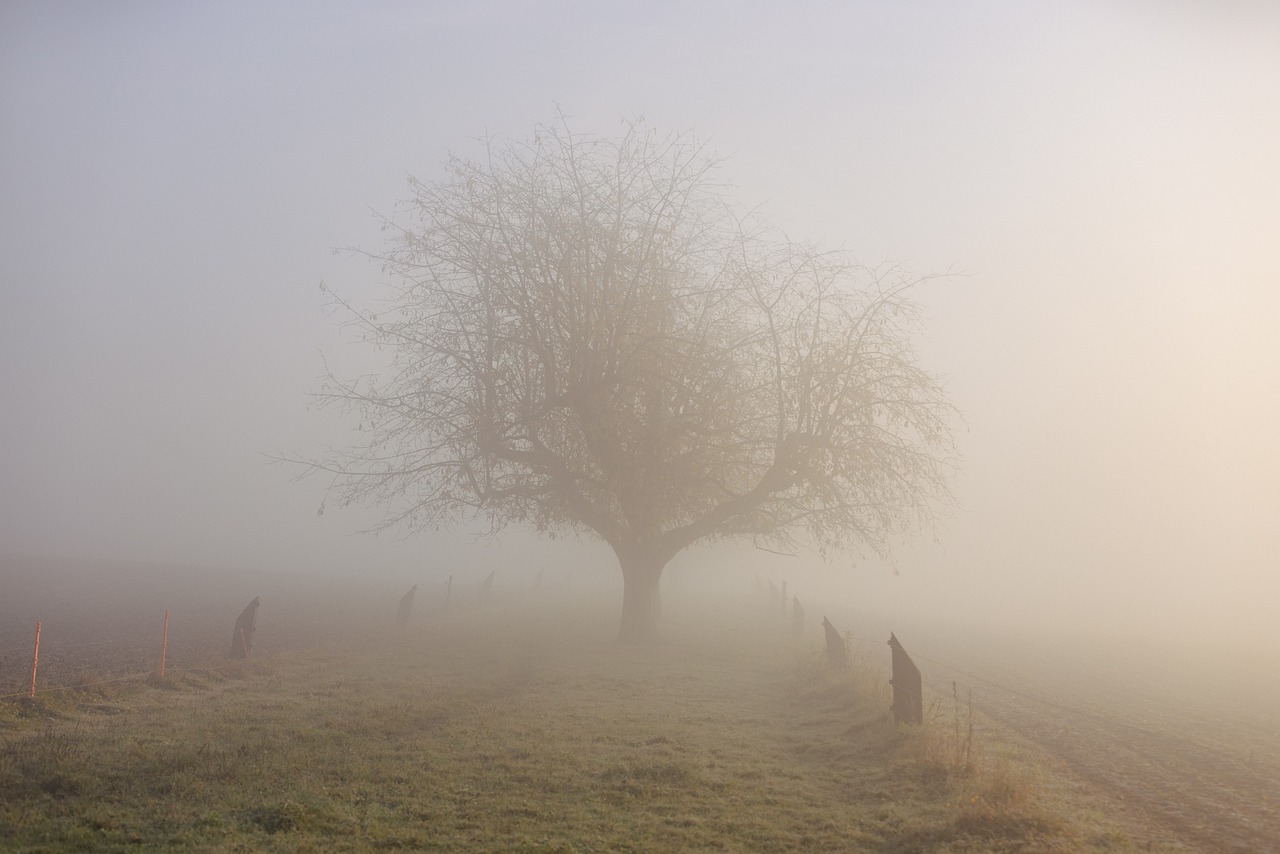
(640, 602)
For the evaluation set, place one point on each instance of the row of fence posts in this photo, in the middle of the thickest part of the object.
(241, 640)
(908, 697)
(484, 593)
(247, 624)
(908, 690)
(35, 652)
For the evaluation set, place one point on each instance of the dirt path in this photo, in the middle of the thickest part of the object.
(1208, 777)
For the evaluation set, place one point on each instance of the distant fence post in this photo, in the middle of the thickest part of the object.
(448, 590)
(797, 617)
(164, 644)
(246, 623)
(406, 607)
(837, 652)
(486, 586)
(908, 693)
(35, 659)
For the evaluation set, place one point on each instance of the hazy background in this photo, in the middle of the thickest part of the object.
(174, 178)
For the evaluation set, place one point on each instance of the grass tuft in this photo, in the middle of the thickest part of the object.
(274, 818)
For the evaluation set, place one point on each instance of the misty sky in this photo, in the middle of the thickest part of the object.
(174, 179)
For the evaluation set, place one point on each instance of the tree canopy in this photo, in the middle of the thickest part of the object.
(587, 335)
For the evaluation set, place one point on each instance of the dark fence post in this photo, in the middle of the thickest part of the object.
(837, 652)
(246, 623)
(908, 695)
(406, 607)
(35, 660)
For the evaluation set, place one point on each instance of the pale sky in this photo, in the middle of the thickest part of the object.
(174, 179)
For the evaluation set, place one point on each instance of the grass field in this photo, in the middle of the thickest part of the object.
(523, 729)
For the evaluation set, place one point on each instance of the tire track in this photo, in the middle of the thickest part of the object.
(1207, 795)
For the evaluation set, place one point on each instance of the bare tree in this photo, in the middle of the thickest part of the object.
(587, 337)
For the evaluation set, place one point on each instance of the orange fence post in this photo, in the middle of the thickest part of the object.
(164, 644)
(35, 659)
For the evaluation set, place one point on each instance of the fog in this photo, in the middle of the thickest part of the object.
(1102, 181)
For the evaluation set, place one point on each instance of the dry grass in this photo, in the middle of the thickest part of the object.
(499, 731)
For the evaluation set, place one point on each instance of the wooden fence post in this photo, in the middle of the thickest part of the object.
(837, 652)
(246, 623)
(35, 659)
(908, 693)
(164, 644)
(406, 607)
